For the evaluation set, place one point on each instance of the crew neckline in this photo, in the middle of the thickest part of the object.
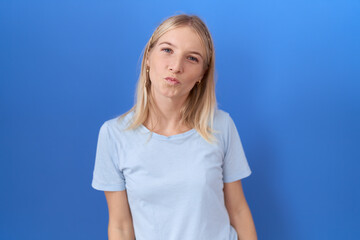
(163, 137)
(159, 136)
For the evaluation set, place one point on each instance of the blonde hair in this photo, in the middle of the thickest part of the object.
(200, 105)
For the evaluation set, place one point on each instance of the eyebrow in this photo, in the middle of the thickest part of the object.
(193, 52)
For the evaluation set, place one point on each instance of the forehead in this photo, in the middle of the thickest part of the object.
(183, 37)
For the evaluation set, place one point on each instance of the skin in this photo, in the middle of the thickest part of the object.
(176, 59)
(239, 211)
(120, 220)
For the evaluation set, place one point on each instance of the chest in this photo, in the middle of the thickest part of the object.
(172, 170)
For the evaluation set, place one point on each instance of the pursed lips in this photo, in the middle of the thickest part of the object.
(172, 79)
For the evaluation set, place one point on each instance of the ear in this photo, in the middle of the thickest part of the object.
(147, 58)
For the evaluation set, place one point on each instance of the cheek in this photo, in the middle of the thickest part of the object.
(157, 59)
(197, 74)
(154, 68)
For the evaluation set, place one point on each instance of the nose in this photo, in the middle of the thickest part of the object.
(176, 65)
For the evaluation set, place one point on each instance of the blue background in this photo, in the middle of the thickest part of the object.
(288, 73)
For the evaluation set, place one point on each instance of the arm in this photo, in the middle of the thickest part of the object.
(120, 219)
(239, 212)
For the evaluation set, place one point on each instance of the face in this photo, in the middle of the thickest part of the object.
(176, 63)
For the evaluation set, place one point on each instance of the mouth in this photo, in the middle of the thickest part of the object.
(171, 80)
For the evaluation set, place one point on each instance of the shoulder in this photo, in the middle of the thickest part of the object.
(221, 126)
(116, 125)
(221, 119)
(119, 122)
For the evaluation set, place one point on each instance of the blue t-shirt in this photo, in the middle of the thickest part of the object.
(174, 184)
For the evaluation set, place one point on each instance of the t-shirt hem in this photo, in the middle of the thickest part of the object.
(102, 187)
(238, 177)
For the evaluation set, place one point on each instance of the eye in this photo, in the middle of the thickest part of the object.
(194, 59)
(168, 50)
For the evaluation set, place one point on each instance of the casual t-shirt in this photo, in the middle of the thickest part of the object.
(174, 183)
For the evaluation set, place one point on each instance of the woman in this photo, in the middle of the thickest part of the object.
(171, 166)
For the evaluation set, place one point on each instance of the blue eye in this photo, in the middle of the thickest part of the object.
(169, 50)
(194, 59)
(165, 49)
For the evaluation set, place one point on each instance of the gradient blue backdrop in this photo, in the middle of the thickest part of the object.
(288, 73)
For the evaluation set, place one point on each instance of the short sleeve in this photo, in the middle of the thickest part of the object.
(107, 175)
(235, 165)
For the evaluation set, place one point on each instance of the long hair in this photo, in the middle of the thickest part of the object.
(199, 107)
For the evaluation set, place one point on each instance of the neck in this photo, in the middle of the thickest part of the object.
(165, 115)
